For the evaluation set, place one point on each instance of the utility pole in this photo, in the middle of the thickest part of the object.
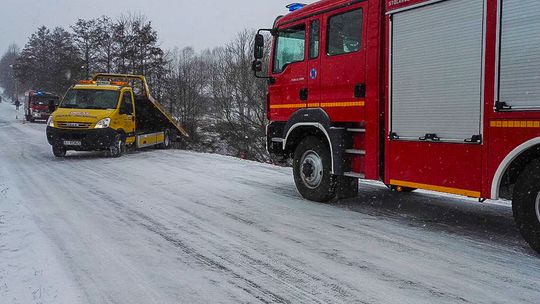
(16, 99)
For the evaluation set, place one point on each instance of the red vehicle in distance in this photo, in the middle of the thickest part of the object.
(39, 105)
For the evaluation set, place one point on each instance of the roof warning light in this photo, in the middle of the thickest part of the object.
(295, 6)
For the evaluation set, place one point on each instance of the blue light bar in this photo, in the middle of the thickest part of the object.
(295, 6)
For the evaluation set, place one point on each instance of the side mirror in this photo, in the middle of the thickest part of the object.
(258, 50)
(256, 66)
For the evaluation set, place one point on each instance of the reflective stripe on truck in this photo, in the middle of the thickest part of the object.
(152, 139)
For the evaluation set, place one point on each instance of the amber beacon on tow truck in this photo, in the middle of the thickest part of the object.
(110, 112)
(441, 95)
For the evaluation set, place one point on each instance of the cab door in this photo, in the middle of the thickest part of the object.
(127, 116)
(288, 91)
(343, 65)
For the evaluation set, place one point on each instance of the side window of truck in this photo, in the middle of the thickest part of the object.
(344, 33)
(127, 104)
(314, 38)
(290, 47)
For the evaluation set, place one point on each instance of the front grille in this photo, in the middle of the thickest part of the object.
(73, 136)
(73, 125)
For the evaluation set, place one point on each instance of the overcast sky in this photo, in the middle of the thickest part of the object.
(200, 23)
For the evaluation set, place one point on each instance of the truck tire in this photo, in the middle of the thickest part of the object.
(526, 204)
(167, 142)
(59, 151)
(118, 147)
(312, 168)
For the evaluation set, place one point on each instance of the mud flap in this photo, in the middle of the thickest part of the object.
(346, 187)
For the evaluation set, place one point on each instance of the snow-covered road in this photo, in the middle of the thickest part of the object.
(180, 227)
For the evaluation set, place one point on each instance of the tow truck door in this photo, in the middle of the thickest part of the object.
(288, 91)
(127, 116)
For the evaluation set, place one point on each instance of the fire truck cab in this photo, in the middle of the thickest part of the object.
(39, 105)
(441, 95)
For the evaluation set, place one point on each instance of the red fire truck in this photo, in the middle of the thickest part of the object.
(442, 95)
(39, 105)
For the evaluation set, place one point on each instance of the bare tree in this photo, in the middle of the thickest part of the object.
(186, 82)
(7, 75)
(240, 97)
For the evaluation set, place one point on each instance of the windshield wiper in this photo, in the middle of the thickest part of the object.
(94, 108)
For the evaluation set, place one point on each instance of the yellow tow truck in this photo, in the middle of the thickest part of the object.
(109, 113)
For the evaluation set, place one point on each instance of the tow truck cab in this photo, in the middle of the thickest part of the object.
(110, 115)
(39, 105)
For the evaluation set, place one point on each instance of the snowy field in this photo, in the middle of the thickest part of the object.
(180, 227)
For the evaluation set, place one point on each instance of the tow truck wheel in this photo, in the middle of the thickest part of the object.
(118, 146)
(166, 141)
(59, 151)
(526, 204)
(313, 170)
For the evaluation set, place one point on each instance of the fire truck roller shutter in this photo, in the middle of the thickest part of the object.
(437, 54)
(519, 73)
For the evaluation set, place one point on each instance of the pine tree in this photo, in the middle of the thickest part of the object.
(86, 38)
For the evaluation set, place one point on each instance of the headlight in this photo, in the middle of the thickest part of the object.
(102, 124)
(50, 122)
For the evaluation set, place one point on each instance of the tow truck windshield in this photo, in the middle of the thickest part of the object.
(91, 99)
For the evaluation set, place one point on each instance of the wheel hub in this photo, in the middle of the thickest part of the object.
(311, 169)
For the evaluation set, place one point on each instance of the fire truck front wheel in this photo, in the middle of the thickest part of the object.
(526, 204)
(312, 170)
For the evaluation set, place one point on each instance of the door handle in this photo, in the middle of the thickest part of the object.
(360, 90)
(304, 94)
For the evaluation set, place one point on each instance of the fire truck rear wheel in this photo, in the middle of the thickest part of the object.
(59, 151)
(526, 204)
(312, 169)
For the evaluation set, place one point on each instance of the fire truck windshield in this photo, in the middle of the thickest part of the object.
(290, 46)
(44, 100)
(91, 99)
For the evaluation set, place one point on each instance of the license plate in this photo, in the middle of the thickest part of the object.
(72, 143)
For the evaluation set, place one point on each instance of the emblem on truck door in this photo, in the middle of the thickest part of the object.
(313, 73)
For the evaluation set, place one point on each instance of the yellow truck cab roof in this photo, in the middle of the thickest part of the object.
(97, 87)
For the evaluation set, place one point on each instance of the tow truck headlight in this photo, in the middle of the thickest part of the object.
(102, 124)
(50, 122)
